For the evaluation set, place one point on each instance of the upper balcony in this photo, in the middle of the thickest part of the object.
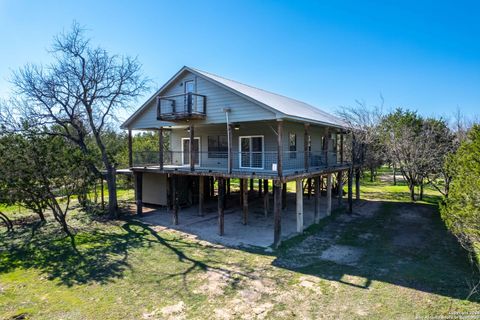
(182, 107)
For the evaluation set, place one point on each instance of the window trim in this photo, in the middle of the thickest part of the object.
(240, 151)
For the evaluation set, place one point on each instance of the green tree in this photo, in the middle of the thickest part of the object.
(461, 211)
(401, 132)
(42, 172)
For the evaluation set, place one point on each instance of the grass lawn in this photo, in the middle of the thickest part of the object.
(409, 267)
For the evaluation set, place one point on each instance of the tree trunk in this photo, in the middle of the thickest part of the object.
(372, 174)
(112, 192)
(421, 190)
(41, 215)
(394, 176)
(412, 191)
(7, 221)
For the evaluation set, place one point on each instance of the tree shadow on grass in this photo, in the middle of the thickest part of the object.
(99, 255)
(404, 244)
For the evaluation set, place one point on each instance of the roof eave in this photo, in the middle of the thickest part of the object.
(308, 120)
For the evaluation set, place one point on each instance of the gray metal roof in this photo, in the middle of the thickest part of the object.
(291, 108)
(285, 107)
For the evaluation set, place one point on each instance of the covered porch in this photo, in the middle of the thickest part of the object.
(257, 233)
(254, 212)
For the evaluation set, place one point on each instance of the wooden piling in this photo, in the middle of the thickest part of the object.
(201, 195)
(277, 210)
(318, 191)
(221, 206)
(340, 188)
(357, 184)
(350, 185)
(299, 193)
(329, 194)
(174, 200)
(245, 202)
(139, 192)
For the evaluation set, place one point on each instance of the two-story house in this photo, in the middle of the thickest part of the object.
(215, 129)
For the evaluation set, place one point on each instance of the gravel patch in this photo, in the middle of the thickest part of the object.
(340, 254)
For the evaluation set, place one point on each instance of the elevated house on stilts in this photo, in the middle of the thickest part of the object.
(213, 129)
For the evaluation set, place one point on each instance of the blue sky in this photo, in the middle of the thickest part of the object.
(420, 55)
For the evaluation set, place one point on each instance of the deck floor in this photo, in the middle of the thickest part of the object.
(257, 233)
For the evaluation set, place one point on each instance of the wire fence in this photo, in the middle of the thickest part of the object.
(266, 161)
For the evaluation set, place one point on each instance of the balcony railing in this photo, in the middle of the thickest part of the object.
(242, 162)
(181, 106)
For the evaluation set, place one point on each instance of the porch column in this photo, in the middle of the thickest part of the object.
(251, 184)
(230, 148)
(201, 195)
(160, 148)
(138, 192)
(277, 211)
(228, 187)
(191, 144)
(280, 148)
(245, 201)
(130, 143)
(329, 194)
(350, 195)
(260, 187)
(325, 146)
(340, 188)
(240, 181)
(341, 147)
(284, 196)
(309, 188)
(306, 152)
(318, 190)
(299, 191)
(221, 207)
(174, 200)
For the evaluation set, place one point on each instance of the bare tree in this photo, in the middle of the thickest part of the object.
(81, 92)
(438, 141)
(363, 122)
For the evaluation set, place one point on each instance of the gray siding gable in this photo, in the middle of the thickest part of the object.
(218, 98)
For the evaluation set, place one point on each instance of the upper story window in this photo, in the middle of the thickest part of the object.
(217, 147)
(292, 145)
(189, 86)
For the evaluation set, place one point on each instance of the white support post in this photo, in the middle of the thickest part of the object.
(299, 191)
(329, 194)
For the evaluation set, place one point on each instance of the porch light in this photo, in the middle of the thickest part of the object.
(236, 127)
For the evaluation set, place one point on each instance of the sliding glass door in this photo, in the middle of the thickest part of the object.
(251, 152)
